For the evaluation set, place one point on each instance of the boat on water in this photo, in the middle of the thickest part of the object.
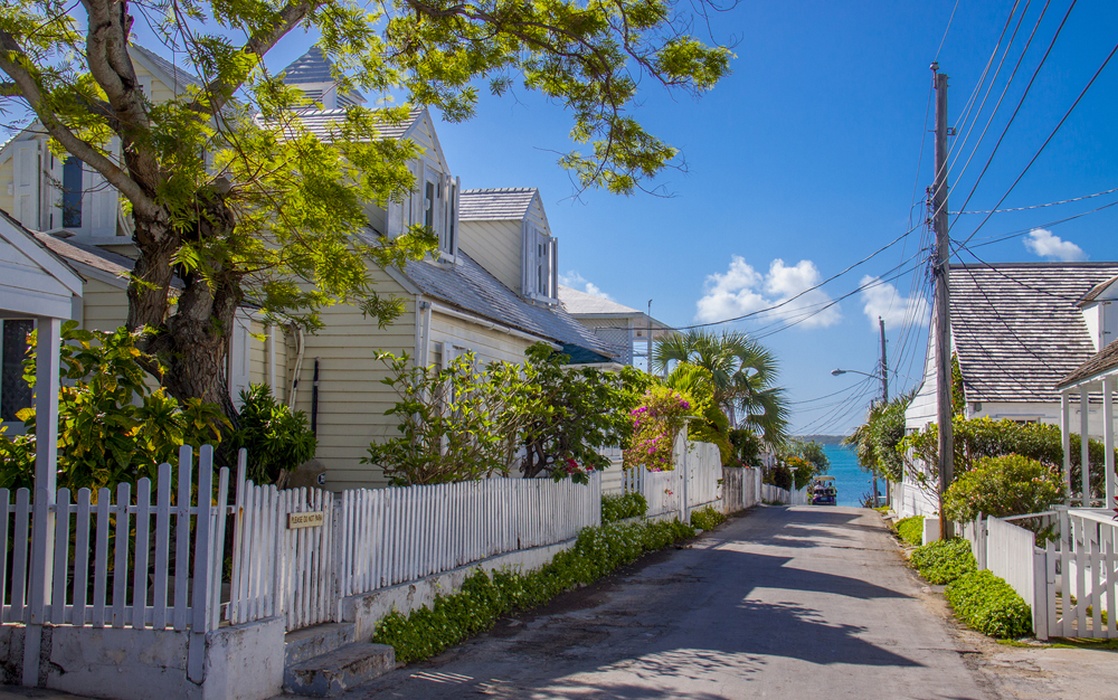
(823, 491)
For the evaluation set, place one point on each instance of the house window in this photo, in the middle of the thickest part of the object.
(72, 193)
(430, 194)
(15, 394)
(541, 265)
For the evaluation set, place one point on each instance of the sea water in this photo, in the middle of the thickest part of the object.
(853, 482)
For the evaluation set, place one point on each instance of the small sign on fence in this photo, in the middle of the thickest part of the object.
(300, 520)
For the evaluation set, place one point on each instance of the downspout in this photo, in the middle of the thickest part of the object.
(300, 349)
(422, 333)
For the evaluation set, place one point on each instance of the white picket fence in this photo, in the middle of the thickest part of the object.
(166, 576)
(741, 488)
(693, 483)
(775, 494)
(370, 539)
(1071, 582)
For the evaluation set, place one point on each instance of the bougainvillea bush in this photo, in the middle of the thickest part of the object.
(656, 423)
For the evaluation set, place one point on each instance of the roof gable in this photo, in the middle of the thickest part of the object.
(34, 282)
(1016, 328)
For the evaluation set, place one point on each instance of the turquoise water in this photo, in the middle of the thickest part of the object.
(851, 480)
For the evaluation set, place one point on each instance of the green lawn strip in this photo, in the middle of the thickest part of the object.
(483, 599)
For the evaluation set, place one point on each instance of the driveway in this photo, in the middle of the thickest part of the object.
(781, 602)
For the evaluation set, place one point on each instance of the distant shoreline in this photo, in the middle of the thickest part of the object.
(822, 439)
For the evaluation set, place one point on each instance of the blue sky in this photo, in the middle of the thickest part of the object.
(814, 154)
(812, 157)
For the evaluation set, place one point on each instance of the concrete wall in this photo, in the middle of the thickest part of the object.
(243, 661)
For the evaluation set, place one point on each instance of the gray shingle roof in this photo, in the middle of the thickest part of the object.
(1017, 329)
(311, 67)
(91, 256)
(1105, 361)
(318, 121)
(496, 204)
(469, 287)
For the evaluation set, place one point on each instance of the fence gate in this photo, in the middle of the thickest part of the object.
(283, 558)
(1080, 590)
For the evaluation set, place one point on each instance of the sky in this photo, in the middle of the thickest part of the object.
(799, 204)
(813, 155)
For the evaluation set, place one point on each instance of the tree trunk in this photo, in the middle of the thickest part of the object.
(191, 337)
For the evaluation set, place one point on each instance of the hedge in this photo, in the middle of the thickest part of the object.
(990, 605)
(943, 561)
(911, 530)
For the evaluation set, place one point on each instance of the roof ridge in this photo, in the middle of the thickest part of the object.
(499, 190)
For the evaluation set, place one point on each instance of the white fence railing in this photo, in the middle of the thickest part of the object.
(693, 483)
(741, 488)
(363, 540)
(775, 494)
(128, 562)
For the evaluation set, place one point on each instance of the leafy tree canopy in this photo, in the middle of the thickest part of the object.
(875, 441)
(230, 192)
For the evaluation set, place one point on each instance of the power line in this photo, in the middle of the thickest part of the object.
(1038, 206)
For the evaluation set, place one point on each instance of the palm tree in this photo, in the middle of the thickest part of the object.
(742, 372)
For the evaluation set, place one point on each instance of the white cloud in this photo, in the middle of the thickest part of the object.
(882, 300)
(1048, 245)
(576, 281)
(743, 290)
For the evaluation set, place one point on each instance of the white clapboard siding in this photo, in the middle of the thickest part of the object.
(112, 557)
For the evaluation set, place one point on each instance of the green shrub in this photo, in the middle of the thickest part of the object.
(988, 604)
(623, 506)
(1002, 486)
(707, 518)
(943, 561)
(276, 437)
(911, 530)
(482, 599)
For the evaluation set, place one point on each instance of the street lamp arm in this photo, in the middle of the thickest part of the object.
(837, 372)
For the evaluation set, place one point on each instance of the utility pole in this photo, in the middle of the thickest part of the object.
(884, 400)
(943, 319)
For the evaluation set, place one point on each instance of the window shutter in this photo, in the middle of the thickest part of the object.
(102, 202)
(27, 179)
(239, 357)
(395, 215)
(553, 290)
(527, 257)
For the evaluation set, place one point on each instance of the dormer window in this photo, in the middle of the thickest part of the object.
(436, 208)
(541, 265)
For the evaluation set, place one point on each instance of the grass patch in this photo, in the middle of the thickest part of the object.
(988, 604)
(910, 530)
(483, 599)
(707, 518)
(943, 561)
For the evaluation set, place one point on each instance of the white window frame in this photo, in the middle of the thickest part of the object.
(541, 264)
(15, 427)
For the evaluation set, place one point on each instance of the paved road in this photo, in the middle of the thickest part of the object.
(780, 603)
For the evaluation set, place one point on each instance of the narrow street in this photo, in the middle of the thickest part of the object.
(779, 603)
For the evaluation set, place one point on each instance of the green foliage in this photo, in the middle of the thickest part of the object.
(456, 424)
(747, 447)
(910, 530)
(1002, 486)
(277, 438)
(257, 205)
(707, 518)
(623, 506)
(943, 561)
(463, 422)
(597, 552)
(875, 441)
(741, 374)
(990, 605)
(112, 427)
(656, 423)
(984, 437)
(711, 424)
(568, 414)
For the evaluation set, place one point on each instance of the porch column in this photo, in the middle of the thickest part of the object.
(1065, 437)
(1084, 446)
(49, 334)
(1108, 437)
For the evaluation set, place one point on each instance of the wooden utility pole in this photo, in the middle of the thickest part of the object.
(884, 399)
(943, 318)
